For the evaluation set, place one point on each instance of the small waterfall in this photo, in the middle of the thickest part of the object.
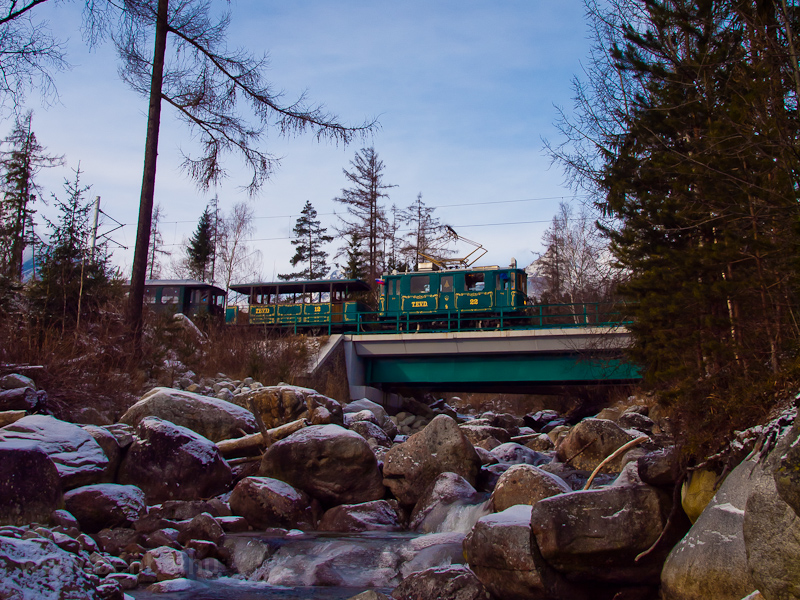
(461, 518)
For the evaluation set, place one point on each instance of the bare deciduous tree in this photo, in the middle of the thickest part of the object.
(210, 87)
(236, 260)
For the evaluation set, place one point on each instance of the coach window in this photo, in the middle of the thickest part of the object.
(446, 284)
(169, 295)
(522, 283)
(421, 284)
(474, 282)
(149, 295)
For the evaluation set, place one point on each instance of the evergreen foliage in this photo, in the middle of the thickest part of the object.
(20, 161)
(200, 250)
(72, 282)
(693, 161)
(309, 237)
(356, 265)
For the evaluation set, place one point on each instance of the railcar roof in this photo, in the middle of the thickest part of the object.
(193, 283)
(297, 287)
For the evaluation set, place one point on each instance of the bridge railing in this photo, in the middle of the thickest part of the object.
(538, 316)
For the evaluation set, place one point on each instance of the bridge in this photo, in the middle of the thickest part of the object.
(542, 360)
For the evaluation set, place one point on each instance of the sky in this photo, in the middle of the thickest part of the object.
(463, 91)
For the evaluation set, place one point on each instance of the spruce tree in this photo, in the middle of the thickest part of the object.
(309, 237)
(201, 247)
(22, 158)
(356, 265)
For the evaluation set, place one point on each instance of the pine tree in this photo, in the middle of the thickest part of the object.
(356, 265)
(365, 214)
(309, 237)
(156, 244)
(71, 284)
(20, 162)
(201, 247)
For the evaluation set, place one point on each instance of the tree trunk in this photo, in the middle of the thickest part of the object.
(139, 271)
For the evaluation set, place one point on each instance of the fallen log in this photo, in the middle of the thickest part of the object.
(10, 416)
(255, 442)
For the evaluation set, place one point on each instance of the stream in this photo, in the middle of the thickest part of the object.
(330, 566)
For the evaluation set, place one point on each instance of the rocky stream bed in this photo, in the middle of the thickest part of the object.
(230, 489)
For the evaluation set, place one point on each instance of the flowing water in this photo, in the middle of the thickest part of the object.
(329, 566)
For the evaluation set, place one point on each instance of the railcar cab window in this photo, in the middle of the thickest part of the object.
(503, 282)
(522, 283)
(421, 284)
(446, 284)
(474, 282)
(170, 295)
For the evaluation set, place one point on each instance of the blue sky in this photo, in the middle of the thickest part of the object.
(463, 92)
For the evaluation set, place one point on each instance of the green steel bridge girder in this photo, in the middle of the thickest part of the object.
(536, 368)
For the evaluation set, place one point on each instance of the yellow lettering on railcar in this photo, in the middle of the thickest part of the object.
(419, 304)
(473, 301)
(317, 309)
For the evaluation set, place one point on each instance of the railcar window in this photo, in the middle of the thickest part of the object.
(149, 296)
(421, 284)
(170, 295)
(446, 284)
(474, 282)
(522, 283)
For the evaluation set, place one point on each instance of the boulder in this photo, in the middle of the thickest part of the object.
(591, 441)
(212, 418)
(78, 457)
(105, 505)
(538, 420)
(514, 453)
(22, 398)
(596, 535)
(38, 569)
(787, 472)
(202, 527)
(634, 420)
(540, 443)
(30, 486)
(115, 540)
(169, 462)
(771, 526)
(441, 447)
(14, 381)
(181, 510)
(436, 501)
(697, 491)
(365, 404)
(282, 404)
(498, 550)
(711, 560)
(660, 467)
(443, 583)
(113, 451)
(167, 563)
(267, 502)
(371, 432)
(362, 415)
(247, 553)
(504, 421)
(328, 462)
(479, 433)
(378, 515)
(526, 484)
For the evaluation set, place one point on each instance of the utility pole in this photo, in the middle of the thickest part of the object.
(95, 219)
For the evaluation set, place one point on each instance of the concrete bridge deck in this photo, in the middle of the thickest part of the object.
(508, 360)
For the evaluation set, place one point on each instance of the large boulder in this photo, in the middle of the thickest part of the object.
(365, 404)
(212, 418)
(38, 569)
(596, 535)
(591, 441)
(526, 484)
(498, 550)
(436, 502)
(111, 447)
(328, 462)
(441, 447)
(267, 502)
(771, 526)
(516, 454)
(711, 560)
(281, 404)
(105, 505)
(169, 462)
(378, 515)
(30, 486)
(78, 457)
(443, 583)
